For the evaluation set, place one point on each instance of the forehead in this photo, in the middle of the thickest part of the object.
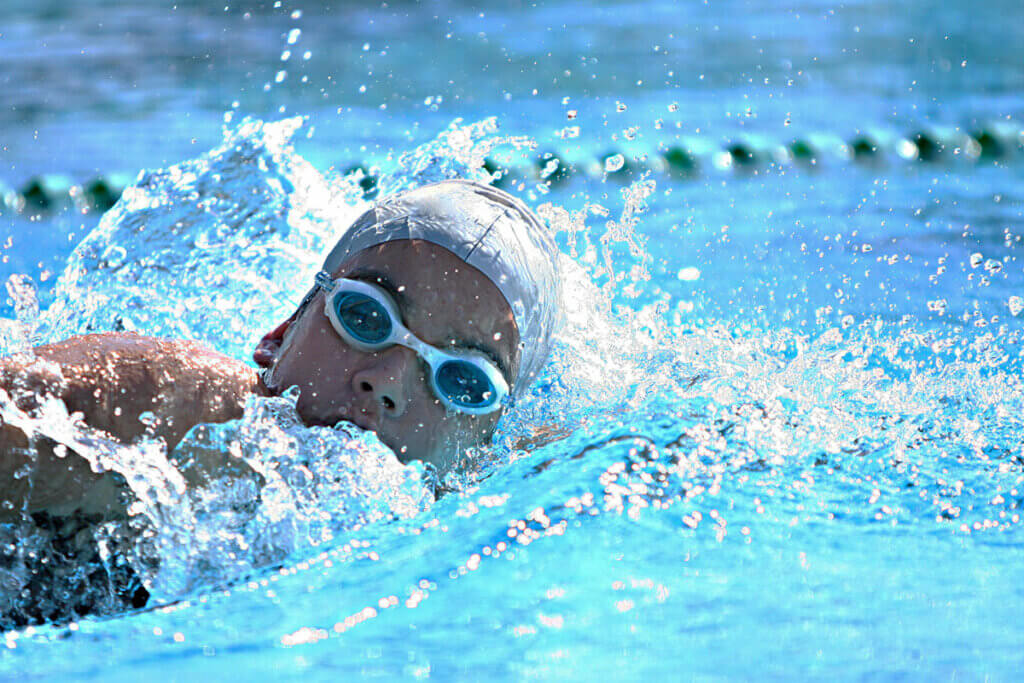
(442, 297)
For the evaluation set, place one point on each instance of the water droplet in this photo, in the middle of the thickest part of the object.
(614, 163)
(114, 256)
(673, 107)
(293, 36)
(976, 260)
(620, 107)
(571, 114)
(688, 274)
(1016, 305)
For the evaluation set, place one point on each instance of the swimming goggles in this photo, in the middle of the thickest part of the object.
(366, 317)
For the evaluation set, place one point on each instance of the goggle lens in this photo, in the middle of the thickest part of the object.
(363, 317)
(464, 384)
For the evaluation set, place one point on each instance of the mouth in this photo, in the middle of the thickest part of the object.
(359, 418)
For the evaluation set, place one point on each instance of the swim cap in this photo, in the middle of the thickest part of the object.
(490, 230)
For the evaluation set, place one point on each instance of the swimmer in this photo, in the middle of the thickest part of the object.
(431, 315)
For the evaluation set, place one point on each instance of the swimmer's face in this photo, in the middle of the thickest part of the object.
(444, 302)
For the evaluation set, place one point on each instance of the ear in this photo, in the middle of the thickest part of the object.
(266, 350)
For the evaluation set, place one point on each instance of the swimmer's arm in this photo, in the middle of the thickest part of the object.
(114, 381)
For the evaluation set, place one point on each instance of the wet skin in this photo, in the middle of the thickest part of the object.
(445, 303)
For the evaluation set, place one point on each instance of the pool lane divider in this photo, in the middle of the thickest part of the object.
(684, 158)
(52, 192)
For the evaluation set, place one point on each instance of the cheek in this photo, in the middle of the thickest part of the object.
(311, 357)
(426, 419)
(469, 430)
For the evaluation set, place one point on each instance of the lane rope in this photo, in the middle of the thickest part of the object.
(683, 158)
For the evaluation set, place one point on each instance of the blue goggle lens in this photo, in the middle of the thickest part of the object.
(464, 384)
(363, 317)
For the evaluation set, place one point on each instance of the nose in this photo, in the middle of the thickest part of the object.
(383, 381)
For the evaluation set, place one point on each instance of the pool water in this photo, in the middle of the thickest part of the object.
(788, 387)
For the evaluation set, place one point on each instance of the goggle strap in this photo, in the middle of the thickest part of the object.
(321, 277)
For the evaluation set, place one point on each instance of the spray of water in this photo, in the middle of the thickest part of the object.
(213, 249)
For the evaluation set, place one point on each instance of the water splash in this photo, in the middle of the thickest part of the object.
(266, 487)
(230, 499)
(212, 249)
(209, 249)
(21, 333)
(605, 359)
(457, 152)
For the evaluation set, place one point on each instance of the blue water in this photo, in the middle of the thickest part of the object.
(793, 452)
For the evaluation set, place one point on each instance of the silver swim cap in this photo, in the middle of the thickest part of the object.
(490, 230)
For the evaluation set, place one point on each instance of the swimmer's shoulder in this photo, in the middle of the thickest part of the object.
(102, 348)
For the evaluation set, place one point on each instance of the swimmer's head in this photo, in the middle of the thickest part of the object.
(488, 229)
(471, 271)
